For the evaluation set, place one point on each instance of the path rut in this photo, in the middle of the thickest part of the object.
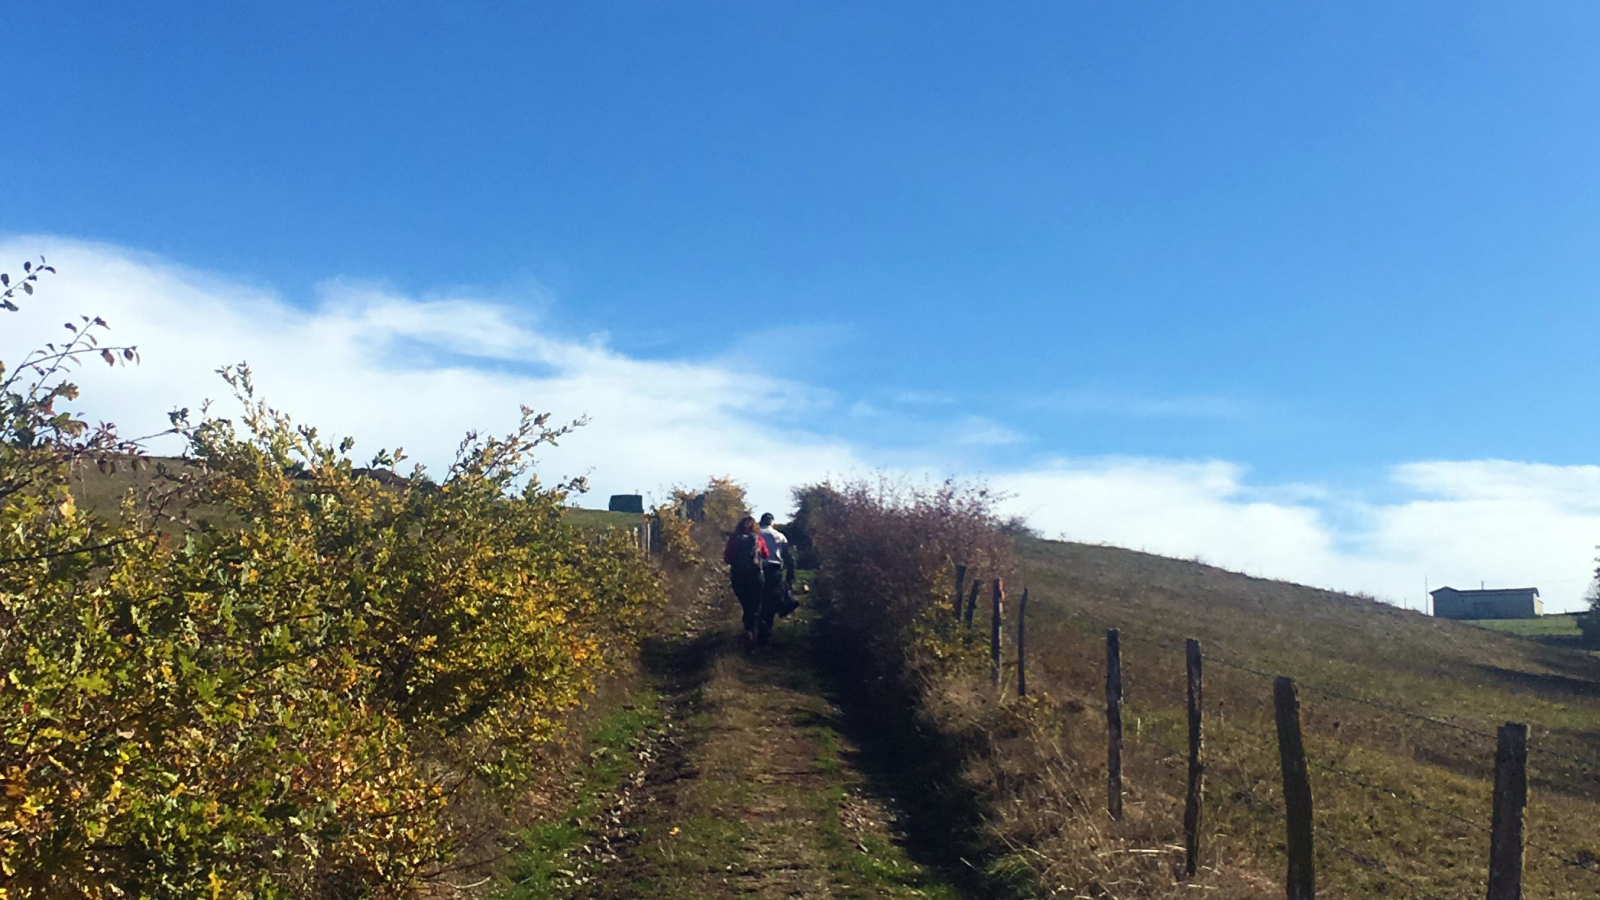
(753, 786)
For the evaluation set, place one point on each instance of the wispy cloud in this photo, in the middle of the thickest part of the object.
(394, 370)
(1098, 402)
(979, 431)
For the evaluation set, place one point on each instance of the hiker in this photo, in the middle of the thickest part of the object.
(746, 554)
(777, 579)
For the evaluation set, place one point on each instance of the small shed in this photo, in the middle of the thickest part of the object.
(1498, 603)
(627, 503)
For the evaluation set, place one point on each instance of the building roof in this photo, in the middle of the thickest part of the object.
(1486, 593)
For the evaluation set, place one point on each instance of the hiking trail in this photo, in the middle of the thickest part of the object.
(758, 781)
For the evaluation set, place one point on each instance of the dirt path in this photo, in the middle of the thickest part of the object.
(752, 786)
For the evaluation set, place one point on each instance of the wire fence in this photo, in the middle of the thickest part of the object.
(1073, 660)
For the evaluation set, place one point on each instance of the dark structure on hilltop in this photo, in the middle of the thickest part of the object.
(627, 503)
(1502, 603)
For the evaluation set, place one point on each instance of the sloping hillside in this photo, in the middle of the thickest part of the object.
(1400, 710)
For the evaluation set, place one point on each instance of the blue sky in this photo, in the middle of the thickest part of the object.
(1315, 242)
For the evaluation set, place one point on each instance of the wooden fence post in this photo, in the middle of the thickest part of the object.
(972, 601)
(1510, 798)
(1301, 882)
(1114, 723)
(1191, 803)
(961, 583)
(1022, 645)
(994, 634)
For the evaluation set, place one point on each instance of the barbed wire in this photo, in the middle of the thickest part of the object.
(1377, 865)
(1591, 865)
(1169, 644)
(1402, 711)
(1396, 795)
(1213, 773)
(1216, 775)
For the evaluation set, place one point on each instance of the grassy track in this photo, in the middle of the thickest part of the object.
(749, 782)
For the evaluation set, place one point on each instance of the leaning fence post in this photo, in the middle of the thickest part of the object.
(1510, 798)
(1022, 645)
(1191, 803)
(1114, 723)
(994, 633)
(961, 583)
(1301, 882)
(972, 601)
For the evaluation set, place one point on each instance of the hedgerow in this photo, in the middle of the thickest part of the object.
(888, 552)
(274, 673)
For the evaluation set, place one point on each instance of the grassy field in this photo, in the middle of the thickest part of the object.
(1400, 711)
(1556, 625)
(103, 492)
(599, 519)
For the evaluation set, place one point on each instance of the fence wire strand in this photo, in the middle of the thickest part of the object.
(1583, 862)
(1169, 645)
(1376, 865)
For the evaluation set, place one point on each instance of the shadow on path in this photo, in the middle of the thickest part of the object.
(915, 770)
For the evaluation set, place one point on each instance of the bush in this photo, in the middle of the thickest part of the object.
(1589, 622)
(286, 699)
(888, 553)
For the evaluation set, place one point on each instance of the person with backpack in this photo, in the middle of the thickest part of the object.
(746, 554)
(777, 579)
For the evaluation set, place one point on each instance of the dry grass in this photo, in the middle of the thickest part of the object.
(1402, 803)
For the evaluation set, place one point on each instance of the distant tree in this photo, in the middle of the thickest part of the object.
(1589, 621)
(810, 503)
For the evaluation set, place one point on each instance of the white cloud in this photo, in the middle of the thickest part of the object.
(393, 370)
(397, 371)
(1509, 524)
(1094, 401)
(979, 431)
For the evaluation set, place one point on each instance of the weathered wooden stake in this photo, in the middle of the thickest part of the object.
(1510, 798)
(1022, 645)
(972, 601)
(1114, 723)
(1197, 767)
(1301, 882)
(994, 634)
(961, 583)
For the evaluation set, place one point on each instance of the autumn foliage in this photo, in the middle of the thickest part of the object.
(275, 672)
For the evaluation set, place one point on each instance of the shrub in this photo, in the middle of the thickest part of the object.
(286, 699)
(718, 508)
(888, 553)
(810, 504)
(1589, 621)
